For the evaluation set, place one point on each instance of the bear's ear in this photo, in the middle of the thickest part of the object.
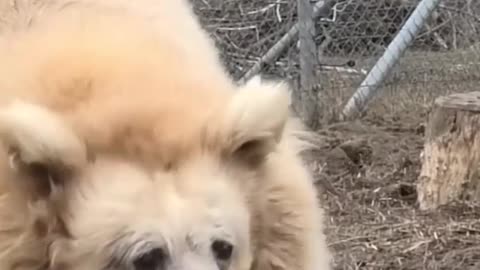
(41, 147)
(255, 119)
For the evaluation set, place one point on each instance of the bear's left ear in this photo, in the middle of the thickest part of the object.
(256, 118)
(41, 146)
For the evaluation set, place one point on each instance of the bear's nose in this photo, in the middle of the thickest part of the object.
(154, 259)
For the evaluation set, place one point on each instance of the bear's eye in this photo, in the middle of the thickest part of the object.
(222, 250)
(151, 260)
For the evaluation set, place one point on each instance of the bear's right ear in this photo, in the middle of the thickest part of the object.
(255, 120)
(42, 149)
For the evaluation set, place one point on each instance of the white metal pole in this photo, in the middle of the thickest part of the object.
(394, 51)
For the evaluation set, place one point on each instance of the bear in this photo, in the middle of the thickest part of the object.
(125, 145)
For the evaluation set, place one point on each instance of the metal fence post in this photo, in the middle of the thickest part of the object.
(384, 65)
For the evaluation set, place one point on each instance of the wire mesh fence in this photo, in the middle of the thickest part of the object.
(351, 35)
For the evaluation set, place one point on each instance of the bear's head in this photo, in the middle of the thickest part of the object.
(103, 211)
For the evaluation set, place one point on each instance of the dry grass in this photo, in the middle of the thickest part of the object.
(372, 166)
(374, 219)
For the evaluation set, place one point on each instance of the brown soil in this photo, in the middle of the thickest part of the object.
(367, 171)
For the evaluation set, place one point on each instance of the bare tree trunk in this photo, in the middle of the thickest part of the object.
(451, 155)
(305, 98)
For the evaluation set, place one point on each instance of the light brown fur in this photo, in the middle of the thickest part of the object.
(128, 104)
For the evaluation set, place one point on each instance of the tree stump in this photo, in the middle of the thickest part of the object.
(451, 157)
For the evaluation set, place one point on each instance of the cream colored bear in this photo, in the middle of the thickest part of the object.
(125, 146)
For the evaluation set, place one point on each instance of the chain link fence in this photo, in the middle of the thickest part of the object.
(351, 35)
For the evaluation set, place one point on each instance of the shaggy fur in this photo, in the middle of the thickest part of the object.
(121, 134)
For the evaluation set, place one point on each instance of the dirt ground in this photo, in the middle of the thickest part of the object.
(374, 222)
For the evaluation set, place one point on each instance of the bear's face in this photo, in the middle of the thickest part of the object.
(113, 212)
(121, 216)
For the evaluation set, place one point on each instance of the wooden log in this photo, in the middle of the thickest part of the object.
(451, 157)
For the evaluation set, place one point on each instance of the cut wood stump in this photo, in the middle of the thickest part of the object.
(451, 157)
